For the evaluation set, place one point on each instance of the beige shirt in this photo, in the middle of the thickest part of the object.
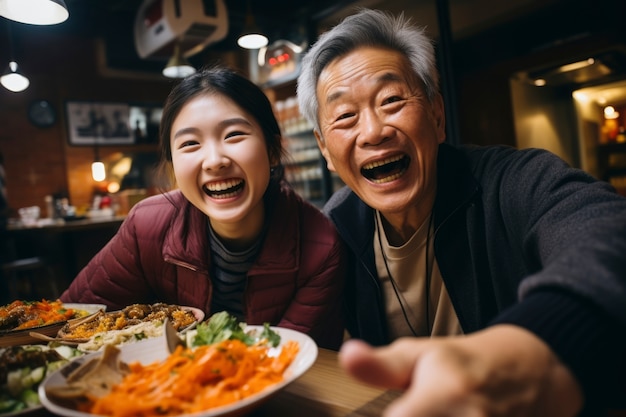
(414, 273)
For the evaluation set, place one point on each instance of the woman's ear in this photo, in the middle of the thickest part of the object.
(274, 155)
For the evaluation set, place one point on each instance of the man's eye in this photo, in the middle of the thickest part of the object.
(392, 99)
(345, 116)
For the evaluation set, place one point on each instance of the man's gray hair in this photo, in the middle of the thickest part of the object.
(366, 28)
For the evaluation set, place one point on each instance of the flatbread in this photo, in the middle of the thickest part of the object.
(93, 378)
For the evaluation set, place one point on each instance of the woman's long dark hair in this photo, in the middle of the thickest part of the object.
(229, 83)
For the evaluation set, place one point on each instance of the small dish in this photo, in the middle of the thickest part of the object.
(70, 334)
(23, 336)
(16, 392)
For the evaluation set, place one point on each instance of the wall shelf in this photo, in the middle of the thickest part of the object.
(612, 164)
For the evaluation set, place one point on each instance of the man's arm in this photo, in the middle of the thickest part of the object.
(501, 371)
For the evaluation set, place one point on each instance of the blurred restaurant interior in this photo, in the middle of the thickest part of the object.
(525, 73)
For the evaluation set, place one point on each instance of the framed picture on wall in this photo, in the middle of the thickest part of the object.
(96, 123)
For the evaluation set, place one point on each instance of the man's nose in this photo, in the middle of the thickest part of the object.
(373, 129)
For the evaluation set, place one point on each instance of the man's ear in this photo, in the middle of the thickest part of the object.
(322, 145)
(439, 114)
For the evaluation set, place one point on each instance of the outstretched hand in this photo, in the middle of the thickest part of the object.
(501, 371)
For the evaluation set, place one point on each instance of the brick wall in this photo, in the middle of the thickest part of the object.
(40, 161)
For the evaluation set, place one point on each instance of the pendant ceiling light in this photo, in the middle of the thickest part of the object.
(178, 66)
(12, 79)
(98, 170)
(35, 12)
(251, 37)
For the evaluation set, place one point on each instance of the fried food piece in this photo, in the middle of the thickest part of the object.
(129, 316)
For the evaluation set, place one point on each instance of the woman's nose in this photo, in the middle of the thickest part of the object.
(214, 158)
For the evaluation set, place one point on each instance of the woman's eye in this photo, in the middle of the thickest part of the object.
(187, 143)
(234, 134)
(345, 116)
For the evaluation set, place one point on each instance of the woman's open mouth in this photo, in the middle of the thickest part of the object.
(386, 170)
(224, 189)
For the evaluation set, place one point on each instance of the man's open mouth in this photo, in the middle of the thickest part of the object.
(386, 170)
(224, 189)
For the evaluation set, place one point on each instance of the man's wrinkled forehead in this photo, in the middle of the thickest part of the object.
(379, 65)
(384, 78)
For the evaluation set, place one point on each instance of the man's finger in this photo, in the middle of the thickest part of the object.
(384, 367)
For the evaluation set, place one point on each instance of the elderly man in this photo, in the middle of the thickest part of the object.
(512, 262)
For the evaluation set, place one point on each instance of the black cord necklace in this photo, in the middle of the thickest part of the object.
(394, 285)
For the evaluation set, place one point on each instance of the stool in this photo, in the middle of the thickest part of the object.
(27, 277)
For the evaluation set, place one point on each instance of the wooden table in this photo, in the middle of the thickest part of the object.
(66, 245)
(323, 391)
(326, 391)
(70, 225)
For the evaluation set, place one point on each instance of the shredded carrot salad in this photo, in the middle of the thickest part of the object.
(194, 380)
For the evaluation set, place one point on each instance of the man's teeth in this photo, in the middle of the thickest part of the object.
(385, 170)
(387, 179)
(375, 164)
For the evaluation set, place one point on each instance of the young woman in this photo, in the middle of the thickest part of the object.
(233, 236)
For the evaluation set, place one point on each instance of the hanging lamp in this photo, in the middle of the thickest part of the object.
(251, 37)
(98, 171)
(178, 66)
(12, 78)
(35, 12)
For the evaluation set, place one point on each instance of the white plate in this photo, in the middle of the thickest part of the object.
(150, 350)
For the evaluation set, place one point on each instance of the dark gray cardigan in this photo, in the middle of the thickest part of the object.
(520, 238)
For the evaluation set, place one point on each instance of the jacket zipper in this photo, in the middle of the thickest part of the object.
(181, 264)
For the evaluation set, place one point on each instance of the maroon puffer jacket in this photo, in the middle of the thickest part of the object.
(161, 254)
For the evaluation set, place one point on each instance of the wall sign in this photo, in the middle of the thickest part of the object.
(108, 123)
(91, 123)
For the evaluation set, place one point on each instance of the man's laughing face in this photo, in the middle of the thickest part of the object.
(379, 131)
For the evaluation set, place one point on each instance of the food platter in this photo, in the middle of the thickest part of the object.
(116, 328)
(23, 336)
(34, 337)
(18, 394)
(153, 350)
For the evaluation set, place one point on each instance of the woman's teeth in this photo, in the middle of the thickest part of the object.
(224, 189)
